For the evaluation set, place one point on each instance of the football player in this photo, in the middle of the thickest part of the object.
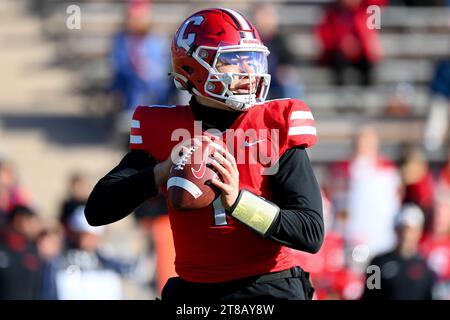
(241, 246)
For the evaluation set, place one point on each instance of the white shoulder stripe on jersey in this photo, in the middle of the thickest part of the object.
(135, 139)
(186, 185)
(239, 18)
(301, 115)
(135, 124)
(294, 131)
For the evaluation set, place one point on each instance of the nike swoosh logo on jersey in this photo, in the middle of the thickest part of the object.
(249, 144)
(200, 172)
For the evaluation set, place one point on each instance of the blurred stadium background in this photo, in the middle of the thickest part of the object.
(62, 110)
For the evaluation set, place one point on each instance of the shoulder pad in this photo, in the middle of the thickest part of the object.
(295, 121)
(152, 126)
(301, 128)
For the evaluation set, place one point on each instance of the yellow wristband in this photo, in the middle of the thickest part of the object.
(255, 212)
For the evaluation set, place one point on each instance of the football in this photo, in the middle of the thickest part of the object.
(188, 186)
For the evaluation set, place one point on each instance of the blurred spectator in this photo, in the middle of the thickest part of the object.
(154, 221)
(400, 102)
(404, 272)
(20, 265)
(49, 244)
(140, 63)
(82, 271)
(437, 127)
(330, 275)
(346, 40)
(440, 83)
(418, 183)
(11, 193)
(2, 218)
(78, 193)
(436, 246)
(367, 196)
(285, 82)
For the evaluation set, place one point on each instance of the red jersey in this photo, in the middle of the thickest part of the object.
(444, 178)
(331, 278)
(437, 253)
(211, 246)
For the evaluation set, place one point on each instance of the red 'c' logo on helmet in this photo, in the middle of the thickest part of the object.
(189, 40)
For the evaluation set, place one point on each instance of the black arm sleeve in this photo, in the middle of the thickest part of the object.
(297, 193)
(122, 190)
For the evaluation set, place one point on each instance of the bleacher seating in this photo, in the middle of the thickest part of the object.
(412, 39)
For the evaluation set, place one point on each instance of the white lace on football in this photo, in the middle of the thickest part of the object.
(184, 158)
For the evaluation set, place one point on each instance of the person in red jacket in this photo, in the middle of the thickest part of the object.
(348, 40)
(418, 183)
(435, 246)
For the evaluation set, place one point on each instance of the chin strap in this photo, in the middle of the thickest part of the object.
(255, 212)
(234, 104)
(224, 102)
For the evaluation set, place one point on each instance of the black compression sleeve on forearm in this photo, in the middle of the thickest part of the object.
(299, 224)
(122, 190)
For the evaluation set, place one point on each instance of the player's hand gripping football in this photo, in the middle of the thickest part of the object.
(161, 170)
(225, 164)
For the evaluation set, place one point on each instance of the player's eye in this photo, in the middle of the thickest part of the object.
(252, 64)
